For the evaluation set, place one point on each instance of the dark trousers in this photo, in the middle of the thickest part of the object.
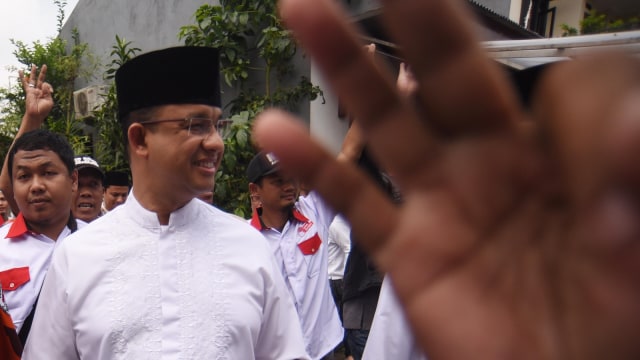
(337, 288)
(356, 340)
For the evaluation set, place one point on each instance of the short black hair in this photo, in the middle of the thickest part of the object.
(41, 139)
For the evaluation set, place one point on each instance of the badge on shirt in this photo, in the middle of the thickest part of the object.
(311, 245)
(304, 228)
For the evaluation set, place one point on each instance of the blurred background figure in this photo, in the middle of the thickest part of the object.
(87, 201)
(339, 246)
(5, 212)
(116, 190)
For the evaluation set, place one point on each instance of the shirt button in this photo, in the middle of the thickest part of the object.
(11, 285)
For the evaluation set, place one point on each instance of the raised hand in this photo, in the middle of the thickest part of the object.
(38, 104)
(519, 235)
(38, 95)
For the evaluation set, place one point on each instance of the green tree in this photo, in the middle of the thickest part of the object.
(597, 23)
(110, 148)
(64, 67)
(253, 44)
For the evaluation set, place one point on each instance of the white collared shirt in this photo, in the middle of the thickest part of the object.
(205, 286)
(339, 247)
(301, 252)
(25, 257)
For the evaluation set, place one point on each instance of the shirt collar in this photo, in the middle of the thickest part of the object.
(149, 220)
(298, 216)
(18, 227)
(257, 223)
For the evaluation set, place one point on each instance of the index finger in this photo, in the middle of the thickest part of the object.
(348, 190)
(367, 91)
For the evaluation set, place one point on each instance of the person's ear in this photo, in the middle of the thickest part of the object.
(253, 189)
(137, 139)
(74, 180)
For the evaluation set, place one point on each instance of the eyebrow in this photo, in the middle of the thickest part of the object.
(39, 166)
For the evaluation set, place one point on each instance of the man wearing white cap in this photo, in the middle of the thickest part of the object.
(87, 201)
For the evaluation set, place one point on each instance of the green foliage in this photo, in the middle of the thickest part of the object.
(568, 30)
(252, 43)
(597, 23)
(64, 67)
(110, 149)
(231, 186)
(60, 4)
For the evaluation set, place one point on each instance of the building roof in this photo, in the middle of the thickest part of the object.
(522, 54)
(501, 24)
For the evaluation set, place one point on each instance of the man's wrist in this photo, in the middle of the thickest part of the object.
(32, 122)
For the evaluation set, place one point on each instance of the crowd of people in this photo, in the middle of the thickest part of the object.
(478, 227)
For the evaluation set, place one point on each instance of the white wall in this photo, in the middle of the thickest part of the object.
(569, 12)
(324, 123)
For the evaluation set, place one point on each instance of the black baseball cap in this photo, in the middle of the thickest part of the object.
(261, 165)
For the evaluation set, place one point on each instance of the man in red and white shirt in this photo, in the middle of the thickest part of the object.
(38, 179)
(297, 230)
(44, 179)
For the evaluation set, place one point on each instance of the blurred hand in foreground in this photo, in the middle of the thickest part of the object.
(519, 234)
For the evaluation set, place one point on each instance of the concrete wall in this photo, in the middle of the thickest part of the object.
(514, 10)
(154, 24)
(324, 123)
(569, 12)
(148, 24)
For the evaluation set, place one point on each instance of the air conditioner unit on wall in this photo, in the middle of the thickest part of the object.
(89, 99)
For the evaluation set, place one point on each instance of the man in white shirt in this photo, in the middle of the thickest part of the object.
(339, 246)
(38, 179)
(297, 230)
(166, 275)
(44, 179)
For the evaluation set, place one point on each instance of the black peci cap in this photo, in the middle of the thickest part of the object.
(178, 75)
(116, 178)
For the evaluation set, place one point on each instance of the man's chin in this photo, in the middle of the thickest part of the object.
(85, 216)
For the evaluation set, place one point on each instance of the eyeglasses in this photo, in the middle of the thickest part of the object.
(196, 126)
